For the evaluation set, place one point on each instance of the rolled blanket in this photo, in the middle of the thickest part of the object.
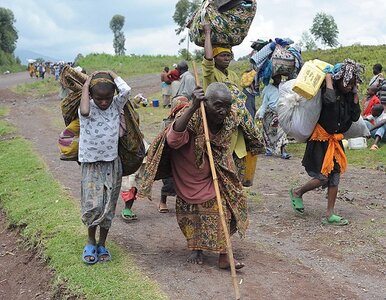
(72, 79)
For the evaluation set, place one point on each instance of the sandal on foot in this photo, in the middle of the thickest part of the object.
(128, 215)
(297, 202)
(102, 251)
(163, 209)
(90, 251)
(285, 155)
(268, 152)
(335, 220)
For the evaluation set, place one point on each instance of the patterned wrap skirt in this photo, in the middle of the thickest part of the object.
(201, 225)
(274, 136)
(100, 187)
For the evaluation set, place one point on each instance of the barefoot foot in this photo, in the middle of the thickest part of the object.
(196, 257)
(223, 262)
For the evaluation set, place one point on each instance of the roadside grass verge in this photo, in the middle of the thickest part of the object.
(38, 87)
(50, 220)
(5, 128)
(360, 158)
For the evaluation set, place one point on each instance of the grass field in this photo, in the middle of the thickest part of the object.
(128, 65)
(38, 88)
(360, 158)
(51, 222)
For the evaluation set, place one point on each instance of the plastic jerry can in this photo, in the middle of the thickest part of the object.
(310, 78)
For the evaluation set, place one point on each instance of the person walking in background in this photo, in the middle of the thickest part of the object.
(187, 81)
(99, 116)
(57, 72)
(275, 139)
(167, 189)
(324, 158)
(165, 87)
(174, 77)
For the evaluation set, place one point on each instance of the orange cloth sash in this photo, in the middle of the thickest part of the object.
(334, 150)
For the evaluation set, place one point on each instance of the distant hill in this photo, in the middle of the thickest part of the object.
(27, 54)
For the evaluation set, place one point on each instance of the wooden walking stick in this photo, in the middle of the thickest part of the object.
(218, 195)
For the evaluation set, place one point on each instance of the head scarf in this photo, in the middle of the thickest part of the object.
(218, 50)
(348, 70)
(95, 81)
(178, 103)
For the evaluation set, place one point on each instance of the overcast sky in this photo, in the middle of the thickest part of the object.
(63, 28)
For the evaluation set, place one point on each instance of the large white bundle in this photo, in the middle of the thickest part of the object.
(297, 115)
(357, 129)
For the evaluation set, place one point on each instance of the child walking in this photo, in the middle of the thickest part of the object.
(99, 116)
(324, 158)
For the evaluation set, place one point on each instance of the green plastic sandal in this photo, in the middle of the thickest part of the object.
(335, 220)
(297, 202)
(128, 215)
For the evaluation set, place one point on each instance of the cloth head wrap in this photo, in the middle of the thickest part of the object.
(95, 81)
(178, 103)
(348, 70)
(218, 50)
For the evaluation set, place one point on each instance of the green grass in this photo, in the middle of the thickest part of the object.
(128, 65)
(50, 220)
(151, 119)
(38, 88)
(12, 68)
(359, 158)
(5, 128)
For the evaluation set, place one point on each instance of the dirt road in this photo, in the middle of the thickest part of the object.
(286, 257)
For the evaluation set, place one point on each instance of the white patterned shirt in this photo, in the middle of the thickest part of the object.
(99, 131)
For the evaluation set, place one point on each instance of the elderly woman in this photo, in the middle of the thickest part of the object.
(324, 158)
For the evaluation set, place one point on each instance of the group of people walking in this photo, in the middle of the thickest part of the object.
(178, 155)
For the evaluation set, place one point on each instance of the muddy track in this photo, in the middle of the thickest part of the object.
(286, 257)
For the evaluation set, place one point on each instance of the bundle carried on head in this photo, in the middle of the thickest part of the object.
(229, 19)
(348, 70)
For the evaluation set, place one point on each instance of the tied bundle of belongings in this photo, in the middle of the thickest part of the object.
(247, 78)
(69, 141)
(229, 21)
(275, 58)
(298, 116)
(131, 149)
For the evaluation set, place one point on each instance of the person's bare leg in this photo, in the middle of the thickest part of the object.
(332, 193)
(308, 186)
(91, 240)
(103, 232)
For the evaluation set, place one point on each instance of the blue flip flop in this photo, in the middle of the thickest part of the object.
(102, 251)
(90, 251)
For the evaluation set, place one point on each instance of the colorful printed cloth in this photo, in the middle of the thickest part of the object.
(230, 186)
(274, 136)
(201, 224)
(229, 28)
